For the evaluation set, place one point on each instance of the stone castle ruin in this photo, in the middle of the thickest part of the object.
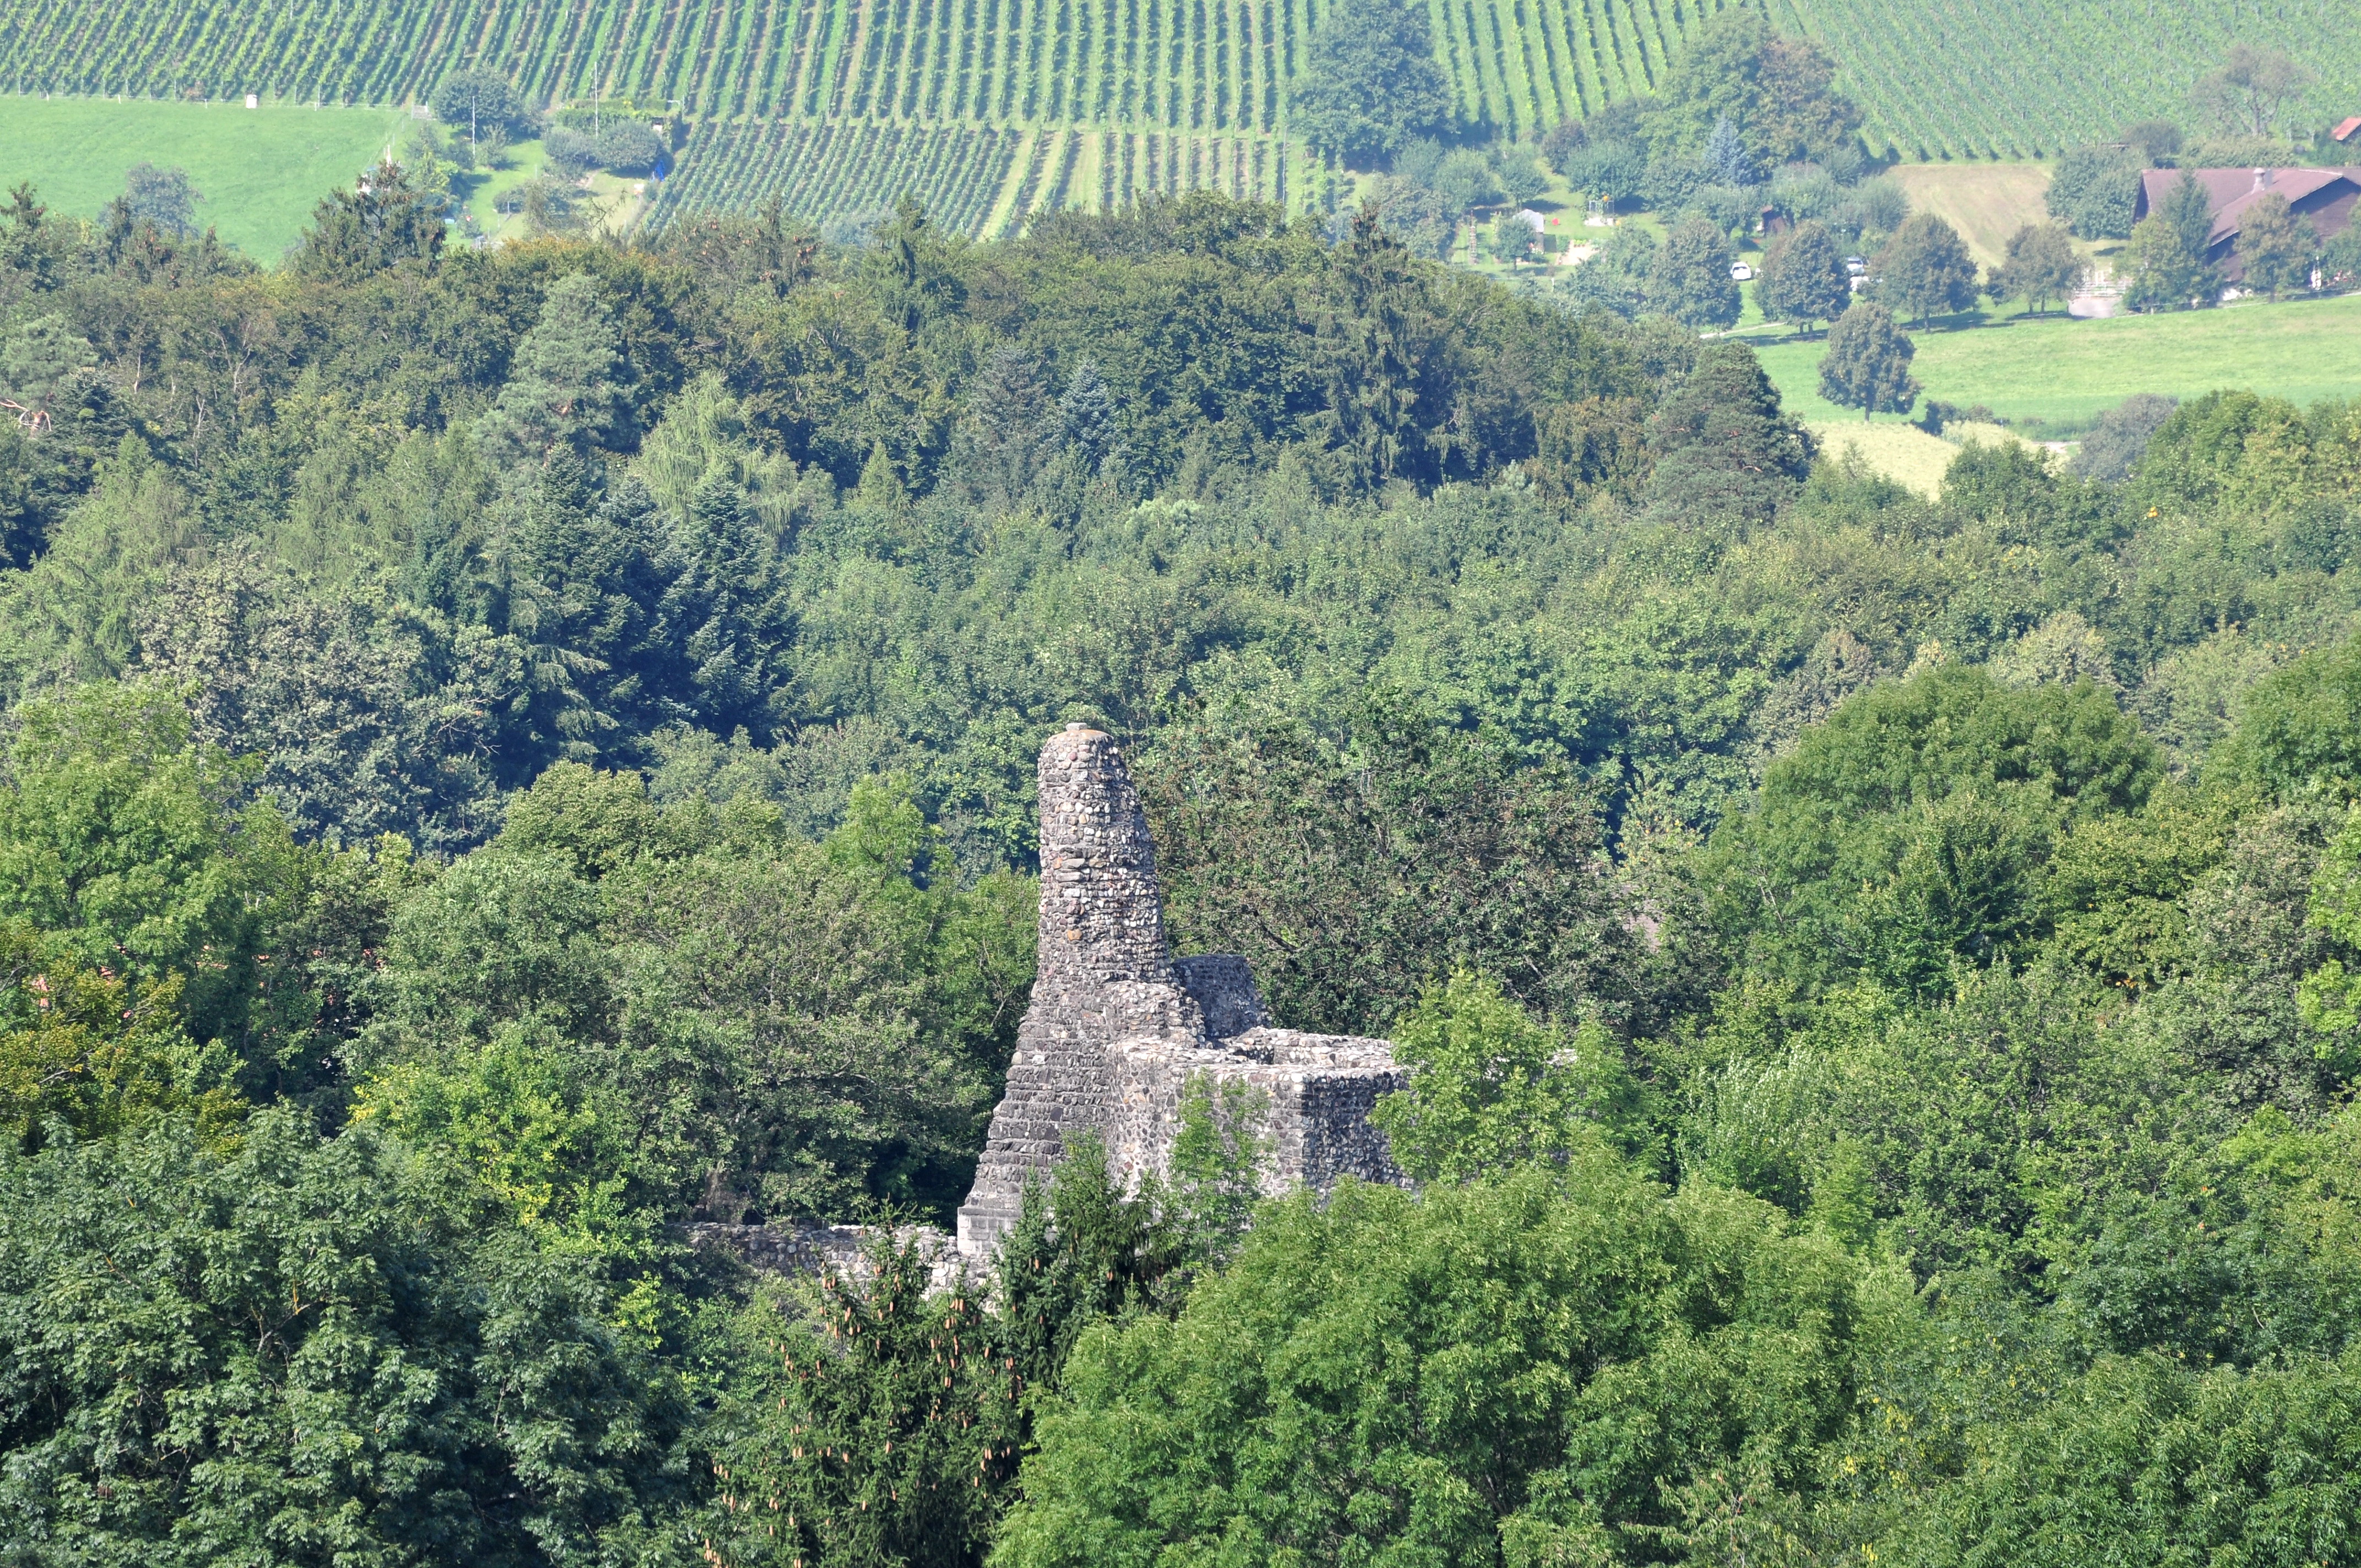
(1115, 1033)
(1117, 1029)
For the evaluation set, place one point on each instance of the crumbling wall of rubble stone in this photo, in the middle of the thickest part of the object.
(1116, 1029)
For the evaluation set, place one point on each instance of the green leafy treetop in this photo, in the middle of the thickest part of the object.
(93, 1050)
(2041, 264)
(385, 220)
(1924, 269)
(1867, 366)
(1775, 92)
(1803, 277)
(2168, 254)
(2114, 449)
(1492, 1089)
(2253, 87)
(1513, 1371)
(2277, 244)
(114, 835)
(300, 1348)
(1691, 281)
(2096, 190)
(1617, 279)
(478, 100)
(1371, 82)
(160, 196)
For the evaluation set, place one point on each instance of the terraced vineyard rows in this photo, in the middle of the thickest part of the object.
(1090, 100)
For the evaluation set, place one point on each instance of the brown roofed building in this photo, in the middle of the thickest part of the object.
(2346, 129)
(2326, 196)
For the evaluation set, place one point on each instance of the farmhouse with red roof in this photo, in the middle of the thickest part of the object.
(2326, 196)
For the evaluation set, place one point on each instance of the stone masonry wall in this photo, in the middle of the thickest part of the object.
(1115, 1029)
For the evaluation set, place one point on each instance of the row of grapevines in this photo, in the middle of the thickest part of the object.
(823, 170)
(1112, 169)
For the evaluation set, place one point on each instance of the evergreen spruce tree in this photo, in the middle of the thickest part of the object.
(1009, 429)
(1867, 366)
(879, 492)
(567, 385)
(879, 1423)
(1725, 157)
(588, 585)
(1086, 413)
(384, 221)
(1727, 452)
(1380, 358)
(718, 609)
(35, 366)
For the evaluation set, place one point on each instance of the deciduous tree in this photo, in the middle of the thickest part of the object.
(1370, 82)
(1867, 364)
(2040, 265)
(1690, 280)
(2276, 245)
(1925, 269)
(1803, 277)
(477, 98)
(2252, 87)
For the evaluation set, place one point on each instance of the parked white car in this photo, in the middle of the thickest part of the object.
(1740, 272)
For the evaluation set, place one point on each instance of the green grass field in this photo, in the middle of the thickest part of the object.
(2066, 372)
(261, 170)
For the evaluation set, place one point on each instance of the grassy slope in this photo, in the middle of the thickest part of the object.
(2066, 371)
(1904, 452)
(1985, 202)
(261, 170)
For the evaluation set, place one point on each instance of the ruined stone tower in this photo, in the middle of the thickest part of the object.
(1116, 1029)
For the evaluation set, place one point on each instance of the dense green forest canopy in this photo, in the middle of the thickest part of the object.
(512, 755)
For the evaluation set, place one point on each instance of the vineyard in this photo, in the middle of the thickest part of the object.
(2029, 77)
(994, 109)
(846, 169)
(987, 110)
(976, 181)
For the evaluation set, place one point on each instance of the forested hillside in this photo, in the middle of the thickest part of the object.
(512, 753)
